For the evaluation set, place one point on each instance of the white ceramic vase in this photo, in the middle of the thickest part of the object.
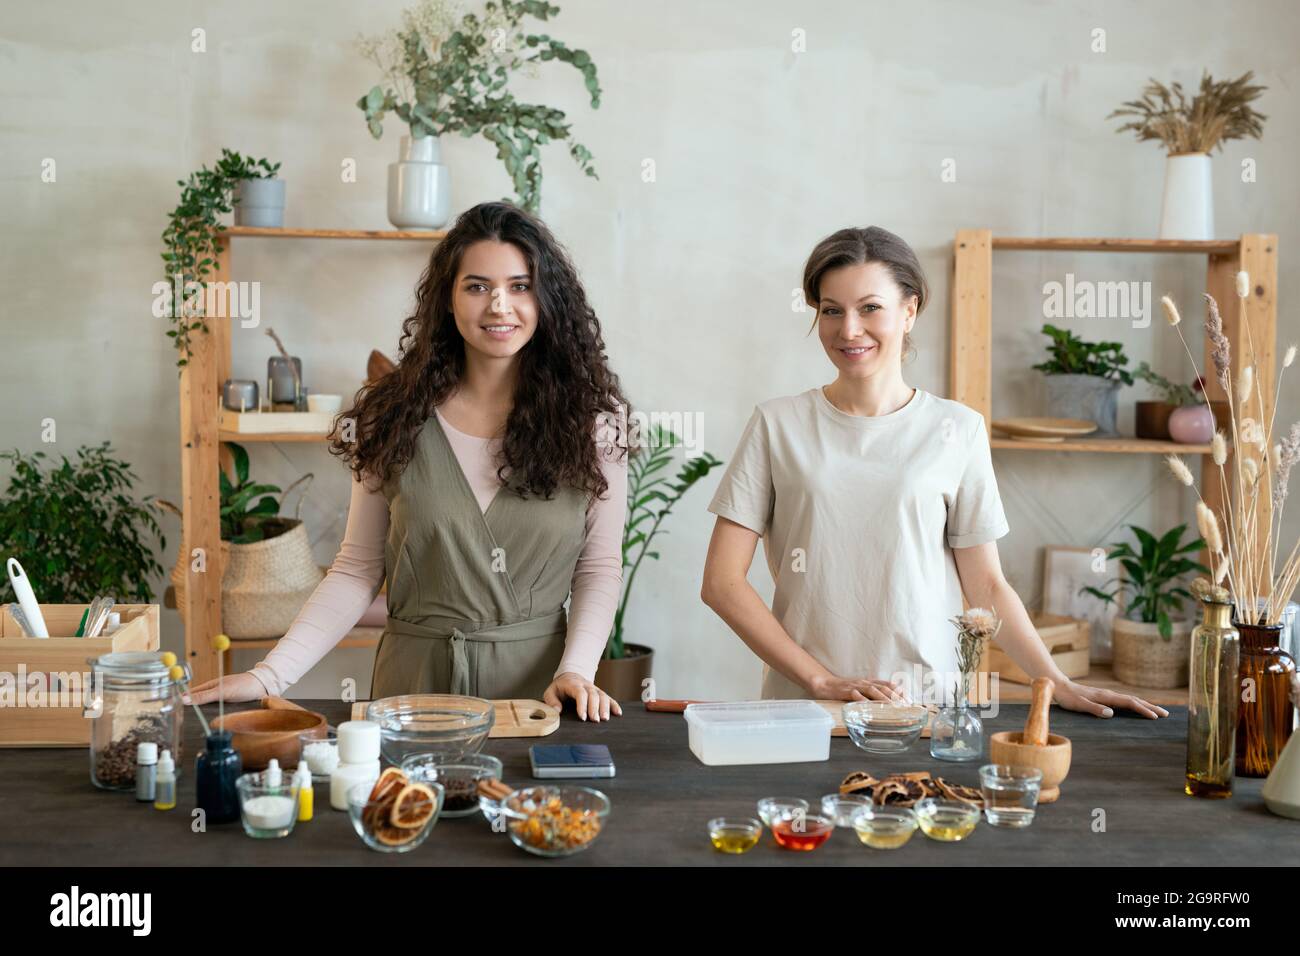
(419, 190)
(1282, 788)
(1187, 210)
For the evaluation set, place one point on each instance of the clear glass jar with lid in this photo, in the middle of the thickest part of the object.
(133, 699)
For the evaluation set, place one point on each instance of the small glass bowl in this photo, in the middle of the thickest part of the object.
(325, 756)
(734, 834)
(459, 778)
(1010, 794)
(771, 809)
(531, 816)
(384, 838)
(947, 821)
(266, 812)
(881, 727)
(884, 828)
(843, 807)
(796, 831)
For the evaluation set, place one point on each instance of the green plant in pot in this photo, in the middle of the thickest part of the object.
(190, 241)
(77, 528)
(449, 72)
(1182, 415)
(651, 496)
(1151, 636)
(267, 568)
(1083, 378)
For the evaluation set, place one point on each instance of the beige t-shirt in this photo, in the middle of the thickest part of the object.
(859, 516)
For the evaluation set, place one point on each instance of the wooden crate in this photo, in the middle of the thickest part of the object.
(1066, 638)
(22, 726)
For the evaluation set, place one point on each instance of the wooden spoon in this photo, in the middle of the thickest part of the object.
(1035, 733)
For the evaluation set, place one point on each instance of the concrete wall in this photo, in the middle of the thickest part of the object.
(758, 152)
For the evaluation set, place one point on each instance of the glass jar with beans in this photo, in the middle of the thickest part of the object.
(133, 700)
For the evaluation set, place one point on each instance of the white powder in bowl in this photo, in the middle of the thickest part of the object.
(322, 757)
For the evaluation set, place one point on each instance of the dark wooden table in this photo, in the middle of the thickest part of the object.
(1122, 804)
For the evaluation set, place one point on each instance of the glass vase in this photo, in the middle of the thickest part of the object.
(1212, 695)
(956, 733)
(1266, 714)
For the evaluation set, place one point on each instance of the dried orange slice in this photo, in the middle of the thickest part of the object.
(390, 781)
(414, 806)
(395, 836)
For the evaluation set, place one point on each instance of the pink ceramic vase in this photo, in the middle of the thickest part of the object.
(1191, 425)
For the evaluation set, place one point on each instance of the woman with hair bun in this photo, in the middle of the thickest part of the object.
(877, 506)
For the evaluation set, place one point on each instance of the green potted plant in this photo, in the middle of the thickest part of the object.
(1182, 415)
(267, 568)
(651, 496)
(190, 239)
(1150, 639)
(1083, 378)
(448, 72)
(78, 529)
(1189, 129)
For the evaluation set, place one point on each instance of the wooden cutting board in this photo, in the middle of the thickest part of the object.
(514, 718)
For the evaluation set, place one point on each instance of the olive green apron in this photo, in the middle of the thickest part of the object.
(475, 598)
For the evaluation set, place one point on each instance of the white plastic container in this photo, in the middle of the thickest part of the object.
(759, 731)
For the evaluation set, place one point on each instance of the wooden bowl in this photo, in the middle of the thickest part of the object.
(260, 735)
(1053, 760)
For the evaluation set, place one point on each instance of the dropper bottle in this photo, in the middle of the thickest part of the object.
(306, 794)
(274, 777)
(165, 789)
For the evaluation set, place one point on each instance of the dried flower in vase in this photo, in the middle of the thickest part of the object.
(1220, 111)
(975, 628)
(1244, 534)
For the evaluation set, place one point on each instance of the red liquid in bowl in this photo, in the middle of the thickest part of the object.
(805, 835)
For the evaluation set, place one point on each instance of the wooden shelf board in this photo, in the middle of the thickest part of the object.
(1217, 247)
(1100, 675)
(357, 637)
(1140, 446)
(224, 435)
(263, 232)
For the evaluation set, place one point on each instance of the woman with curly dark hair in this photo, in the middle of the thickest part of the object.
(489, 485)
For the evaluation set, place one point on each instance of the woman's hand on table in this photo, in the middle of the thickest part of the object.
(589, 699)
(1102, 703)
(232, 687)
(857, 688)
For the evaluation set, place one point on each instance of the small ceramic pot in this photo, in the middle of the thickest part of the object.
(1191, 425)
(260, 203)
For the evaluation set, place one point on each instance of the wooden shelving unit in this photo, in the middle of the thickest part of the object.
(200, 386)
(970, 374)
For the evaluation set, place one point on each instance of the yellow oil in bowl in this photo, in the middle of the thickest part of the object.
(734, 836)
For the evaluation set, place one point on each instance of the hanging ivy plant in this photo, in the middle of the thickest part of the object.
(190, 240)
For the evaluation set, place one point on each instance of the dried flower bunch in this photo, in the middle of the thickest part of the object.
(1219, 111)
(975, 628)
(1245, 550)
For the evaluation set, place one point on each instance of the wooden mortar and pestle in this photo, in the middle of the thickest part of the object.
(1034, 746)
(270, 732)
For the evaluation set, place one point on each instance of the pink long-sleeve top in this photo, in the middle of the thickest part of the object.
(357, 574)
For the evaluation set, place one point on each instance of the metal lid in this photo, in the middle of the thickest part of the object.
(141, 666)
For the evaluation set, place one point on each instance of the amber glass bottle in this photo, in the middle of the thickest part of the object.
(1212, 696)
(1266, 714)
